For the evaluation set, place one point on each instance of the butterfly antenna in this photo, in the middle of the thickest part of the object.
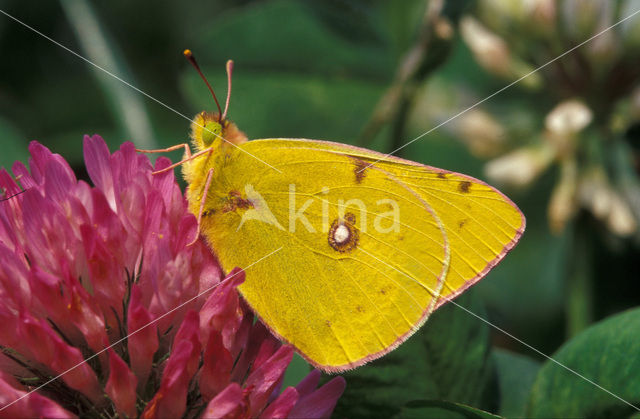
(189, 56)
(229, 73)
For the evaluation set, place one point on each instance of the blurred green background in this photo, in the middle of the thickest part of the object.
(561, 143)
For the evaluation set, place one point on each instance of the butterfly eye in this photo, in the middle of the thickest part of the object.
(211, 131)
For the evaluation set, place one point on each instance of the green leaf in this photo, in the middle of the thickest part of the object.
(516, 374)
(262, 29)
(353, 20)
(449, 358)
(296, 371)
(14, 147)
(606, 354)
(442, 409)
(401, 21)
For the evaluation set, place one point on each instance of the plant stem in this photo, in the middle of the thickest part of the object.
(580, 280)
(125, 103)
(398, 134)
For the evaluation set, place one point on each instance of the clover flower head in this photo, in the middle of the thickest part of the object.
(106, 308)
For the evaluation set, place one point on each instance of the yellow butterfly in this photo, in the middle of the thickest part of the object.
(360, 247)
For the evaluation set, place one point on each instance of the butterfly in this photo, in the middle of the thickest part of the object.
(348, 251)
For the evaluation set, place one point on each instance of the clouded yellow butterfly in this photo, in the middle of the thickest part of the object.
(369, 244)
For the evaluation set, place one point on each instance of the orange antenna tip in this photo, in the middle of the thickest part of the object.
(187, 53)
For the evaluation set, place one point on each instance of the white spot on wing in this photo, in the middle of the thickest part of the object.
(341, 235)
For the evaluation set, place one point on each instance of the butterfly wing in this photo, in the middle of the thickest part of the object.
(363, 253)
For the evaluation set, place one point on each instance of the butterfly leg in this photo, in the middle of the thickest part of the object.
(207, 184)
(187, 150)
(187, 153)
(186, 159)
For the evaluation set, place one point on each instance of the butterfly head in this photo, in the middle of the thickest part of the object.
(209, 130)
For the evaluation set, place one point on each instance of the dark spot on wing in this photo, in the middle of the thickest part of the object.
(441, 175)
(359, 169)
(350, 218)
(464, 186)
